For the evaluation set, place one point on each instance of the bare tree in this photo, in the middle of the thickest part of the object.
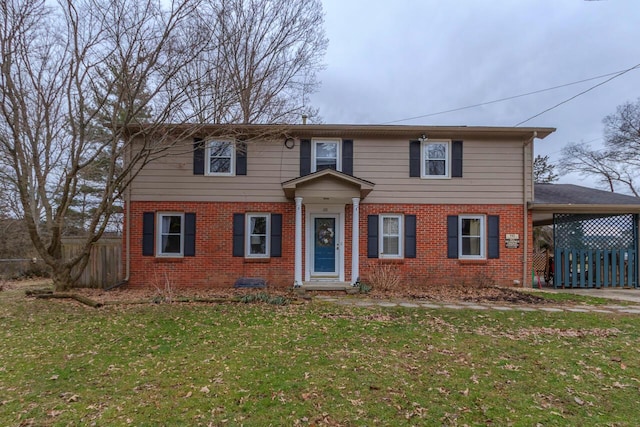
(617, 165)
(73, 78)
(262, 63)
(82, 80)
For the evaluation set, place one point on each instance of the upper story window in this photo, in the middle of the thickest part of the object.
(221, 158)
(390, 236)
(436, 159)
(326, 155)
(257, 235)
(170, 239)
(471, 237)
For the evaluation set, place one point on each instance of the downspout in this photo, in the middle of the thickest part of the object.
(127, 241)
(525, 211)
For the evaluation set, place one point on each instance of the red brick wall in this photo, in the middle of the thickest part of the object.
(214, 266)
(431, 265)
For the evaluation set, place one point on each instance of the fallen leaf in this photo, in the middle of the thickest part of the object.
(578, 401)
(189, 394)
(204, 390)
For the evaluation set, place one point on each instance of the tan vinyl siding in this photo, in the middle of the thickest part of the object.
(492, 173)
(171, 178)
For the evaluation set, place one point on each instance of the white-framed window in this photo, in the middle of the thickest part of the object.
(436, 161)
(325, 154)
(258, 235)
(220, 157)
(170, 238)
(471, 236)
(391, 242)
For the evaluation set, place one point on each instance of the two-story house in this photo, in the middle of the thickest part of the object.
(324, 205)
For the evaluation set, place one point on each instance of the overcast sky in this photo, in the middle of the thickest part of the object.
(393, 60)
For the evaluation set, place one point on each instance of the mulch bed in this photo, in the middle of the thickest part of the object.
(441, 293)
(477, 294)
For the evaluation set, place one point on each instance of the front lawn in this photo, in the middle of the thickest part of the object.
(64, 363)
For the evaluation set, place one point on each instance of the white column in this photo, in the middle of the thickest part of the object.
(297, 280)
(355, 241)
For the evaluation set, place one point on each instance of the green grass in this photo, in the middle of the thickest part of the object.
(579, 299)
(318, 364)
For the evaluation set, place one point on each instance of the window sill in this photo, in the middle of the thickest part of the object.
(257, 260)
(391, 260)
(167, 259)
(473, 261)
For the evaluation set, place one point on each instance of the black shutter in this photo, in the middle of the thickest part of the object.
(456, 159)
(409, 236)
(198, 156)
(452, 236)
(305, 157)
(241, 158)
(347, 156)
(148, 233)
(414, 158)
(494, 236)
(276, 235)
(238, 234)
(190, 234)
(372, 236)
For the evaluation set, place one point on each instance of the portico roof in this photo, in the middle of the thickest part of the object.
(360, 186)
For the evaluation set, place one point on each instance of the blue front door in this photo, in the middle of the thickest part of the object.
(324, 250)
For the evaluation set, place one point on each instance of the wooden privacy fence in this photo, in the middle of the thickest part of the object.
(104, 268)
(595, 250)
(595, 269)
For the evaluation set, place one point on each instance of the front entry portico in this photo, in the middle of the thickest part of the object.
(320, 236)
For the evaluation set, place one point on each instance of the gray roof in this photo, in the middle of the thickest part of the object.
(568, 198)
(569, 194)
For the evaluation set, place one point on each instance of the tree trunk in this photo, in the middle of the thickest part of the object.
(61, 275)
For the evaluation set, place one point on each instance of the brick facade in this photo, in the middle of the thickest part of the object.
(214, 266)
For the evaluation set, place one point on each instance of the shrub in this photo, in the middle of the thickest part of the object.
(385, 277)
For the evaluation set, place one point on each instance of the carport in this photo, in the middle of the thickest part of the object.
(595, 235)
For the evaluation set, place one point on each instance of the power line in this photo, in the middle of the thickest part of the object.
(579, 94)
(616, 73)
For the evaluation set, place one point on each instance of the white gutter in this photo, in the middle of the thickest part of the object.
(127, 259)
(525, 210)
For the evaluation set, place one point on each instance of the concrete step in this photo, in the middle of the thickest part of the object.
(326, 286)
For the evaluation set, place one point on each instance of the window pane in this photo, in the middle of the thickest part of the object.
(390, 226)
(327, 150)
(220, 165)
(325, 164)
(437, 151)
(436, 167)
(391, 245)
(471, 246)
(171, 244)
(258, 245)
(258, 225)
(220, 149)
(470, 227)
(171, 224)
